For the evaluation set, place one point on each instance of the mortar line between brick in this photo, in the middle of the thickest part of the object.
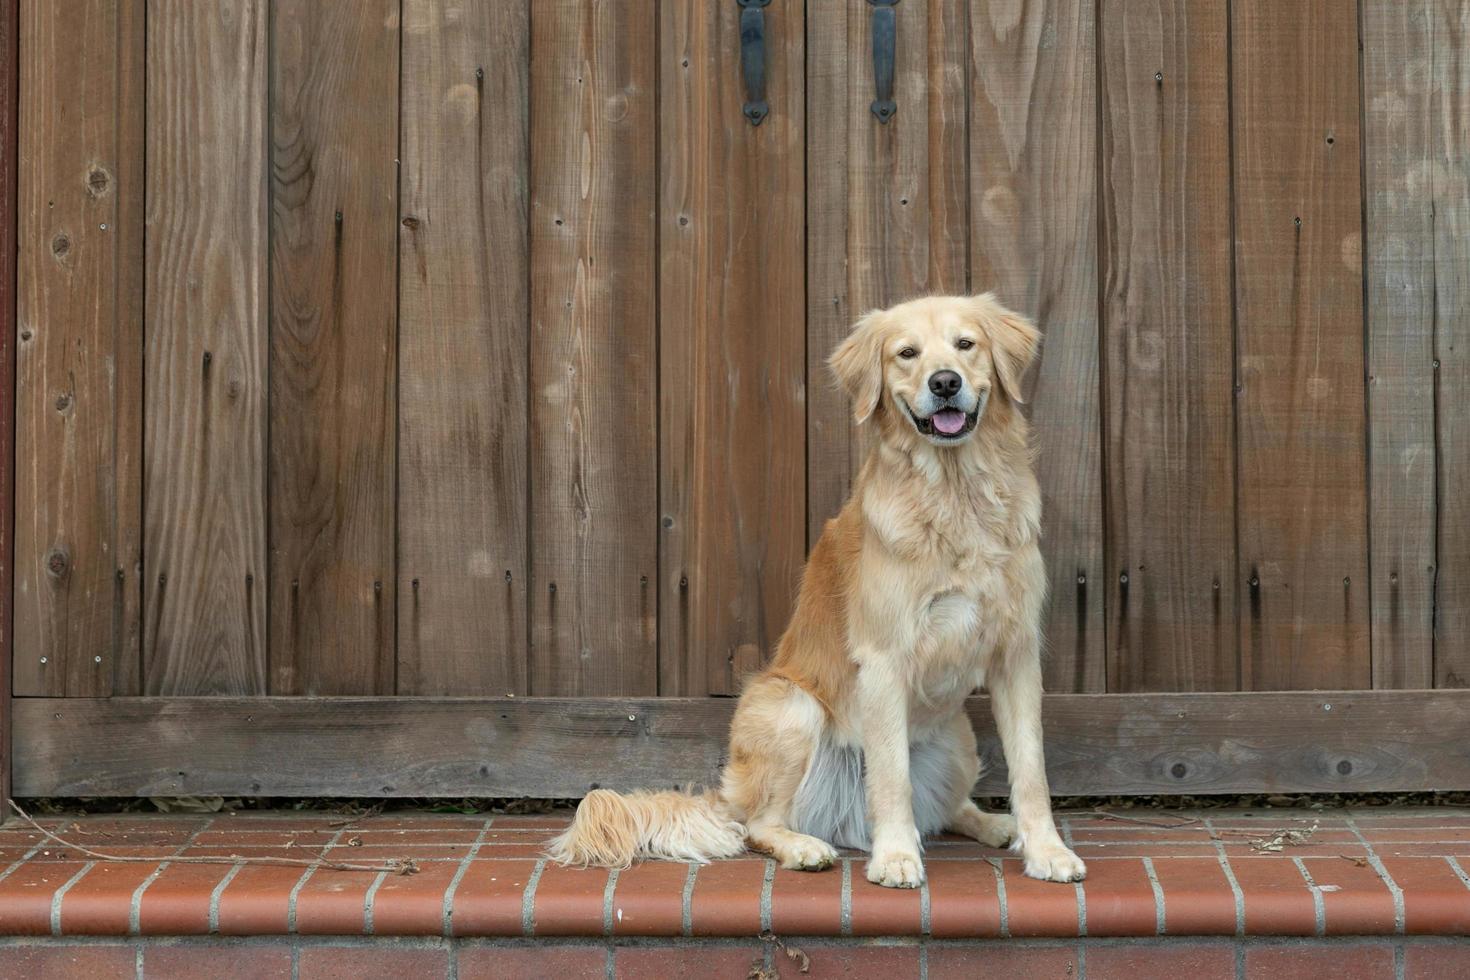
(138, 961)
(1160, 919)
(452, 973)
(1398, 961)
(528, 899)
(609, 971)
(305, 877)
(135, 904)
(1066, 829)
(1393, 887)
(686, 902)
(1081, 961)
(1319, 909)
(446, 915)
(1230, 877)
(22, 860)
(367, 902)
(1000, 894)
(214, 897)
(923, 962)
(1459, 871)
(846, 900)
(1240, 961)
(61, 893)
(295, 963)
(925, 920)
(608, 891)
(766, 884)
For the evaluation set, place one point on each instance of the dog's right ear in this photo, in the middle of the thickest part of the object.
(858, 364)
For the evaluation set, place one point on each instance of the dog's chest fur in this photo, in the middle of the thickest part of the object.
(956, 541)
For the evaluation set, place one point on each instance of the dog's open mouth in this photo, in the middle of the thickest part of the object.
(947, 423)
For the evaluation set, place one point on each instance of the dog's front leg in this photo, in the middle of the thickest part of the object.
(883, 702)
(1015, 695)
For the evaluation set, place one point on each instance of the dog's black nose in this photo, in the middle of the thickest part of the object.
(945, 384)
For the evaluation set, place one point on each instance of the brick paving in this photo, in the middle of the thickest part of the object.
(1369, 872)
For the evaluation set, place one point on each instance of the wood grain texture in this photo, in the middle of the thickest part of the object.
(1033, 190)
(594, 362)
(9, 199)
(205, 431)
(1303, 522)
(80, 341)
(1272, 742)
(1416, 92)
(1168, 348)
(333, 345)
(887, 203)
(464, 312)
(1414, 191)
(732, 368)
(1448, 163)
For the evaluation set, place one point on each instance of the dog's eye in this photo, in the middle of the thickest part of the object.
(908, 353)
(964, 343)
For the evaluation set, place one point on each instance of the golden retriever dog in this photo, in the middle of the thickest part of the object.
(928, 585)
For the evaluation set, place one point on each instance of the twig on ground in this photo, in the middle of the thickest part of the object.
(398, 866)
(1107, 815)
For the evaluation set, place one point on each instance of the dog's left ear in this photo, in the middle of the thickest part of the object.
(858, 365)
(1014, 341)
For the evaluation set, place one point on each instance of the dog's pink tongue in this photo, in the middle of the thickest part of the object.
(949, 421)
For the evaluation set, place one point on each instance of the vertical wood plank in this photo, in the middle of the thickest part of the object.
(1302, 475)
(1033, 189)
(887, 215)
(333, 345)
(732, 346)
(80, 341)
(9, 268)
(1399, 154)
(462, 574)
(1169, 347)
(1450, 167)
(594, 407)
(204, 448)
(1416, 154)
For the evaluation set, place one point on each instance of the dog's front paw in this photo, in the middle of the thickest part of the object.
(1053, 862)
(808, 854)
(896, 869)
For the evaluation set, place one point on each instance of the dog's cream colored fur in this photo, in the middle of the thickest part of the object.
(927, 585)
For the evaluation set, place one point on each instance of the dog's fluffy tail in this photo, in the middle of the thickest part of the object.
(611, 830)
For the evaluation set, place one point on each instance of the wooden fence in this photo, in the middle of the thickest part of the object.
(434, 349)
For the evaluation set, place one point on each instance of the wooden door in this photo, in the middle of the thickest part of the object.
(387, 373)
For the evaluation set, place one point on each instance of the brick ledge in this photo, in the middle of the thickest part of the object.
(1363, 873)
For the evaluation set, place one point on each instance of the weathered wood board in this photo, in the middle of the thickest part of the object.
(462, 348)
(333, 345)
(594, 350)
(1169, 358)
(205, 405)
(79, 340)
(732, 355)
(1302, 475)
(1342, 741)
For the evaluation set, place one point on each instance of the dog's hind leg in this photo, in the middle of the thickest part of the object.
(774, 733)
(992, 829)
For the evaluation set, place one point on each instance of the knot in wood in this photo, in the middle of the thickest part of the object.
(56, 563)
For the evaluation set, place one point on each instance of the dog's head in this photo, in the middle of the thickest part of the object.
(932, 365)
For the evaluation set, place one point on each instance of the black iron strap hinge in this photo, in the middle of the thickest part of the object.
(885, 40)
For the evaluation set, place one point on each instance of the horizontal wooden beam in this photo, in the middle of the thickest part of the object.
(1349, 741)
